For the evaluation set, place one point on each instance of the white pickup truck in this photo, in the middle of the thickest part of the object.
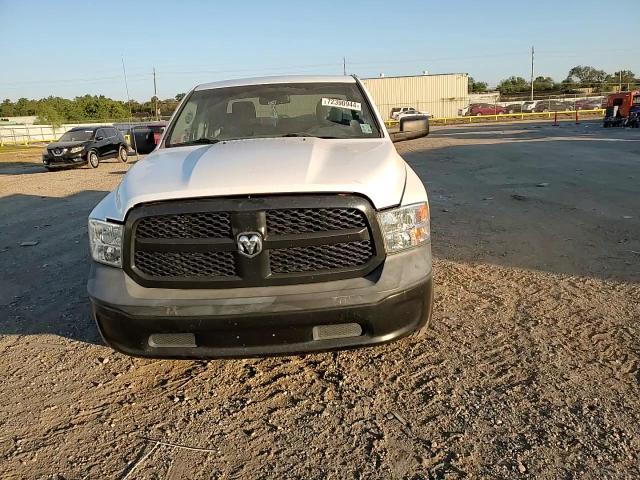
(274, 217)
(397, 111)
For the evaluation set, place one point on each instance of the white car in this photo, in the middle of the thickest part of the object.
(528, 106)
(397, 111)
(274, 217)
(411, 113)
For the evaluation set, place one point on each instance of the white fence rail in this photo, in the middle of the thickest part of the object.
(25, 134)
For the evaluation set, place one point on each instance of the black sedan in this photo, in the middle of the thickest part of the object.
(82, 145)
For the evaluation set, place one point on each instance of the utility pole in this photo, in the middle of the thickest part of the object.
(620, 79)
(131, 131)
(344, 66)
(532, 71)
(155, 94)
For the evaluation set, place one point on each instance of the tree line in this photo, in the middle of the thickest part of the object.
(94, 108)
(581, 76)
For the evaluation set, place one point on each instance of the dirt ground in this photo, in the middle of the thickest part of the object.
(532, 368)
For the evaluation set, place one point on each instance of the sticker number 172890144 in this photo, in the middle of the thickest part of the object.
(338, 102)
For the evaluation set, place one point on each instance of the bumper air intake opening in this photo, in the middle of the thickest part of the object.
(175, 340)
(341, 330)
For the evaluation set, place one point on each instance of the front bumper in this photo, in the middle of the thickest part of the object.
(389, 303)
(64, 160)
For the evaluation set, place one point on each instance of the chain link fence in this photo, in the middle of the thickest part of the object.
(26, 134)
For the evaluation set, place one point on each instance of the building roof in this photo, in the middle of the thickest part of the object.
(414, 76)
(240, 82)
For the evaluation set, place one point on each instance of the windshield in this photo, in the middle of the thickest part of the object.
(325, 110)
(76, 136)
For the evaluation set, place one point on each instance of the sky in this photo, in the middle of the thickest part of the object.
(69, 48)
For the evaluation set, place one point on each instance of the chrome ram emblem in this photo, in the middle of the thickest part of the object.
(249, 244)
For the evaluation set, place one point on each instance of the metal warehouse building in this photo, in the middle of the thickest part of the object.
(439, 95)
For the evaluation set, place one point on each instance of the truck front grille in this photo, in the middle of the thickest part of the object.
(303, 220)
(185, 264)
(193, 225)
(320, 257)
(194, 243)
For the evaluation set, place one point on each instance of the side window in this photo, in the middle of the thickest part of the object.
(100, 133)
(111, 132)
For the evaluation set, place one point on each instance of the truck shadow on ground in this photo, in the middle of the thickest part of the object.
(43, 286)
(30, 167)
(21, 168)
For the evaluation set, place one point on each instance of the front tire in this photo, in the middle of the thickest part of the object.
(123, 155)
(92, 159)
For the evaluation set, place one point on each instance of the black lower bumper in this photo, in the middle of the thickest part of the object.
(263, 334)
(63, 161)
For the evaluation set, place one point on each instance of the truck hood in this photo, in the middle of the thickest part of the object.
(265, 166)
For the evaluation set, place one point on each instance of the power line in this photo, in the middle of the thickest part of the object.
(258, 69)
(380, 63)
(189, 72)
(364, 63)
(69, 80)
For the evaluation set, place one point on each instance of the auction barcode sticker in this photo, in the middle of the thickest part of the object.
(337, 102)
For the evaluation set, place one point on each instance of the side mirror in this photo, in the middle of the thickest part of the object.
(416, 126)
(99, 137)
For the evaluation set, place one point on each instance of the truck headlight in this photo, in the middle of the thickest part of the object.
(76, 149)
(405, 227)
(105, 242)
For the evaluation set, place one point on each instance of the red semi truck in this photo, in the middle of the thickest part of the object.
(624, 101)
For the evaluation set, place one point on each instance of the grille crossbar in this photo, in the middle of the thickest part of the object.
(193, 243)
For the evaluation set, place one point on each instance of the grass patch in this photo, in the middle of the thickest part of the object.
(21, 148)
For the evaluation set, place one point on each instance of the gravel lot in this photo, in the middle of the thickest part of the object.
(532, 369)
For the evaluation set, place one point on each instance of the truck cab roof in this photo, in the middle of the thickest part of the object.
(240, 82)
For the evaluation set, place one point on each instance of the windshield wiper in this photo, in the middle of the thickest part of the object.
(199, 141)
(306, 135)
